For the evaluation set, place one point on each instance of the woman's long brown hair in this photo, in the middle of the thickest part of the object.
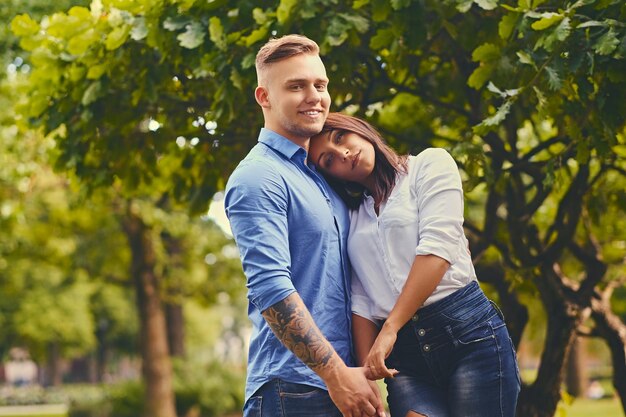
(387, 162)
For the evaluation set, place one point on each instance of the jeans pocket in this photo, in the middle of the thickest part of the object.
(476, 335)
(252, 407)
(306, 401)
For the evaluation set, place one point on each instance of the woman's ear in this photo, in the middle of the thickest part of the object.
(261, 97)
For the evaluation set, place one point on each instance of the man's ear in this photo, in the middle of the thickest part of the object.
(261, 96)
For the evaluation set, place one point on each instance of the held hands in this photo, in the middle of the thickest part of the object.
(354, 395)
(375, 361)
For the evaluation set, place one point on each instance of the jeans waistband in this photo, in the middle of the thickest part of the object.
(468, 302)
(470, 295)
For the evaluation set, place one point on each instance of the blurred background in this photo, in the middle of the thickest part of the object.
(121, 290)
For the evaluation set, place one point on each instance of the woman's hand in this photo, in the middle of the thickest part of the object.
(375, 361)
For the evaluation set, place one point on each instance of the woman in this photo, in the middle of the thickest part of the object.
(415, 299)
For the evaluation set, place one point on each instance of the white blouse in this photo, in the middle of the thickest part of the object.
(423, 215)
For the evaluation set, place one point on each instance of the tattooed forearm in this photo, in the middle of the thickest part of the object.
(292, 323)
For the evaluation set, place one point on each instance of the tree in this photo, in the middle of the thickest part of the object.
(528, 95)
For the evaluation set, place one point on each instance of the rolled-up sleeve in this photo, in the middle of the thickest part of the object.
(256, 206)
(440, 206)
(360, 301)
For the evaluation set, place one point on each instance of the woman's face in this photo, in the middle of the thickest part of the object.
(344, 155)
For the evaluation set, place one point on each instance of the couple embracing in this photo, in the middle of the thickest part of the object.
(357, 265)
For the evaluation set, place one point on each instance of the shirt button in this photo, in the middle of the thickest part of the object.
(415, 318)
(426, 348)
(421, 332)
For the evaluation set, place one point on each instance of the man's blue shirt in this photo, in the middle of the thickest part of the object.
(291, 229)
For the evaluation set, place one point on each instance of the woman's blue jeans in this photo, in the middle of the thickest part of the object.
(455, 359)
(278, 398)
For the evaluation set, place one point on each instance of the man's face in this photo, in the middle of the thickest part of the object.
(295, 97)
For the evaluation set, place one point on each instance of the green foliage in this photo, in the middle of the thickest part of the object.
(211, 390)
(126, 399)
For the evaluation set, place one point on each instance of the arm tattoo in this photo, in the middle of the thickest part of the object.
(292, 323)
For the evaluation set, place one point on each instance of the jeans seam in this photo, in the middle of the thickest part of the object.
(280, 398)
(501, 376)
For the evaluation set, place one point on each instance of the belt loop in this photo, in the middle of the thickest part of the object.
(495, 306)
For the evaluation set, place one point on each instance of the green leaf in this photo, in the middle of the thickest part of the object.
(91, 94)
(80, 12)
(560, 33)
(359, 3)
(547, 19)
(480, 76)
(492, 121)
(380, 10)
(581, 3)
(464, 6)
(236, 79)
(382, 38)
(256, 35)
(337, 31)
(541, 97)
(37, 104)
(591, 23)
(507, 25)
(140, 30)
(400, 4)
(284, 10)
(554, 80)
(96, 71)
(23, 25)
(492, 87)
(80, 43)
(193, 36)
(486, 52)
(360, 23)
(248, 61)
(259, 16)
(525, 58)
(175, 23)
(487, 4)
(607, 43)
(117, 37)
(76, 72)
(216, 32)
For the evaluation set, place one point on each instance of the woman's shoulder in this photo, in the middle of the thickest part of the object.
(430, 157)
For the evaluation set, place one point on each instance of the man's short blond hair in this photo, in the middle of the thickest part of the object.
(282, 48)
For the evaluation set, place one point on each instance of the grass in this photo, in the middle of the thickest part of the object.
(35, 415)
(55, 410)
(580, 407)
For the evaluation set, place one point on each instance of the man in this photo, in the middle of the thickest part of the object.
(291, 230)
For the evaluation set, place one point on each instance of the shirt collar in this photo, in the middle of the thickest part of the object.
(280, 143)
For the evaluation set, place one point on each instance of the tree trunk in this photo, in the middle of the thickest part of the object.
(156, 362)
(613, 331)
(54, 376)
(576, 380)
(102, 350)
(540, 399)
(175, 329)
(173, 306)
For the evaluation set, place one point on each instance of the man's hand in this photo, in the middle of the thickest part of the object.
(375, 361)
(353, 394)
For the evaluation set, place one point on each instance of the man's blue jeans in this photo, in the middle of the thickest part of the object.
(455, 359)
(278, 398)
